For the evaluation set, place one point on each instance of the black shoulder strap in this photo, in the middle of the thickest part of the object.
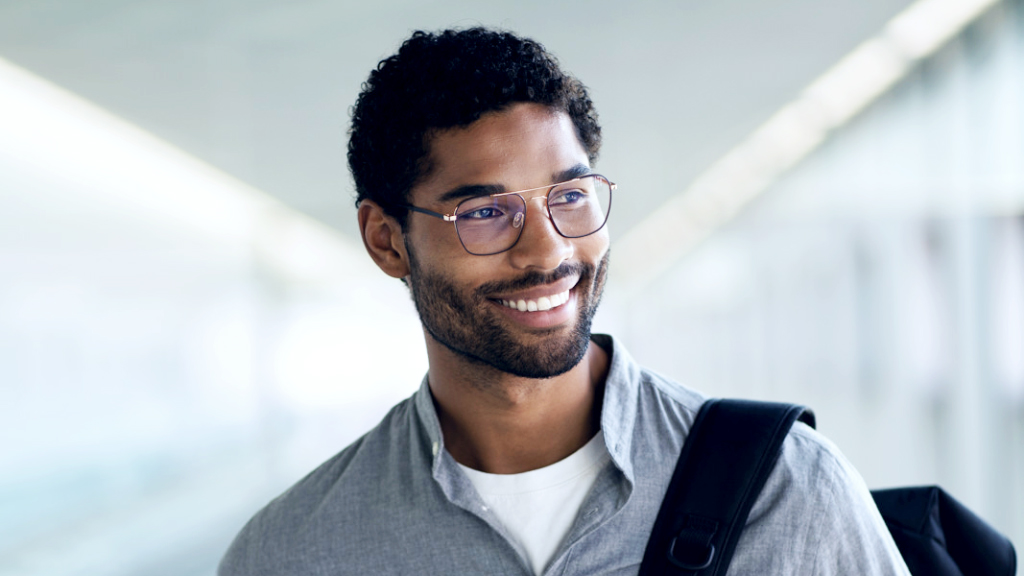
(729, 452)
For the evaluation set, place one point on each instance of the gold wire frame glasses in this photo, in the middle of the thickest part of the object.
(494, 223)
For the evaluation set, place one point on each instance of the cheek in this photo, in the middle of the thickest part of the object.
(434, 242)
(594, 247)
(447, 257)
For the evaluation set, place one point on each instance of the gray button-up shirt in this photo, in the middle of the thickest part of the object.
(395, 502)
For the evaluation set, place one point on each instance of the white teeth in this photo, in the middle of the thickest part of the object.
(539, 305)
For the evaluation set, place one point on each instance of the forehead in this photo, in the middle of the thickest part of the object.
(521, 147)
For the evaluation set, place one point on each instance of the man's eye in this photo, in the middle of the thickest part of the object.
(483, 213)
(573, 196)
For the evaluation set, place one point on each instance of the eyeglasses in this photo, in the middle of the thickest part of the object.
(491, 224)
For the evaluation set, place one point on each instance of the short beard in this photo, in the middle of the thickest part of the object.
(460, 325)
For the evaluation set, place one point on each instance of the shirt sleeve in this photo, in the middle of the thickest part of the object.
(815, 516)
(237, 560)
(851, 536)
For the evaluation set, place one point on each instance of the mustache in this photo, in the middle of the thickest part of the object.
(537, 278)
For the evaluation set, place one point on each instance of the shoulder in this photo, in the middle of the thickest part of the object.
(815, 515)
(810, 461)
(646, 418)
(657, 400)
(288, 534)
(671, 395)
(666, 411)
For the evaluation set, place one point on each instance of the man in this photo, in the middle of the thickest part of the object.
(532, 446)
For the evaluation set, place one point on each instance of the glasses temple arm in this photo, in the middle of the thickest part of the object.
(445, 217)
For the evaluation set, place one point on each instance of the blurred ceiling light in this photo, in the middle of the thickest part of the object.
(924, 27)
(119, 165)
(833, 99)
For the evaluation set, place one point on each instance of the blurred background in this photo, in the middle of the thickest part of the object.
(819, 202)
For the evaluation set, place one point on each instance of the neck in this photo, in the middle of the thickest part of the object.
(504, 424)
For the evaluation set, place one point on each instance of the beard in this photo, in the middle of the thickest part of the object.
(464, 324)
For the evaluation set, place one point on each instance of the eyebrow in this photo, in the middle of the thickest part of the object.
(470, 191)
(572, 173)
(477, 190)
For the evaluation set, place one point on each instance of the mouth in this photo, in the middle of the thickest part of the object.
(539, 304)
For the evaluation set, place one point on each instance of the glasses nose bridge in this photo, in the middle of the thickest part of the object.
(519, 220)
(544, 199)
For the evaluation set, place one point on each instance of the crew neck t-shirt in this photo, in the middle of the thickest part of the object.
(538, 507)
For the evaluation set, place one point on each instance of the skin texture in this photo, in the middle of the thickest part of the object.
(515, 391)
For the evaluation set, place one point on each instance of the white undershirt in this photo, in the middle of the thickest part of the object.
(538, 507)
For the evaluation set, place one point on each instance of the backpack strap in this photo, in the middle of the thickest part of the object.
(729, 452)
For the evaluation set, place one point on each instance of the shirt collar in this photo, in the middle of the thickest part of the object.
(618, 411)
(424, 401)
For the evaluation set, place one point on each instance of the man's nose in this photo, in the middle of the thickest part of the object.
(540, 245)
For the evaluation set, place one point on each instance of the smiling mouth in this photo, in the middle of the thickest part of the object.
(541, 304)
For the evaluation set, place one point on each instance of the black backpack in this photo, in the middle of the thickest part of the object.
(709, 497)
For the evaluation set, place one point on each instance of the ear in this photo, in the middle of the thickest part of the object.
(383, 239)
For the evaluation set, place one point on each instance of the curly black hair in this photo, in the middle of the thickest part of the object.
(445, 80)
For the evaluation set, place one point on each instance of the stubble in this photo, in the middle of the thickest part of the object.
(465, 324)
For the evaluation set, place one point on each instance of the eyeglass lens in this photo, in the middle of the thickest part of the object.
(492, 224)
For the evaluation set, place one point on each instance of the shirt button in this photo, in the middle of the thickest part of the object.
(435, 448)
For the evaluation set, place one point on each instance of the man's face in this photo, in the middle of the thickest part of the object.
(463, 299)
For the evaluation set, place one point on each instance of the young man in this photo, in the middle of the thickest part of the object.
(532, 446)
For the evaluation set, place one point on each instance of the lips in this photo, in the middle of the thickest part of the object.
(541, 304)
